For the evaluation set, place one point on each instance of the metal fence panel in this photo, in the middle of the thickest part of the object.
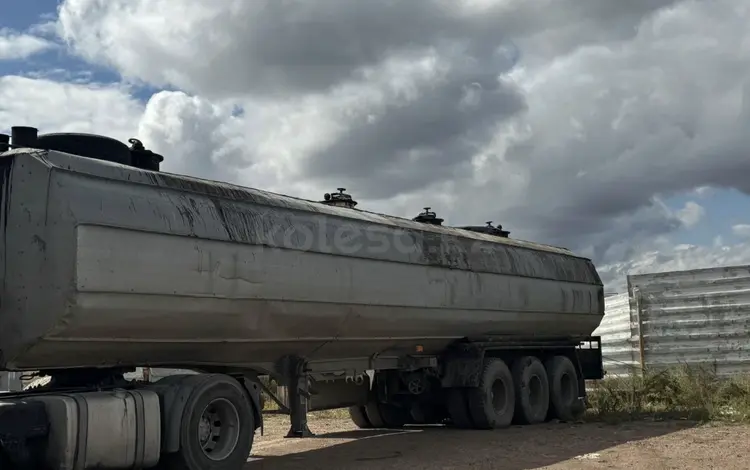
(10, 381)
(618, 351)
(696, 317)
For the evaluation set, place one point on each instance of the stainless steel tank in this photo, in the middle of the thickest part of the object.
(106, 264)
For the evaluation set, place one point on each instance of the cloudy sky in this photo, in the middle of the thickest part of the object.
(614, 128)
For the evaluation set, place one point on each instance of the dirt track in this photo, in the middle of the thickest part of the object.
(642, 445)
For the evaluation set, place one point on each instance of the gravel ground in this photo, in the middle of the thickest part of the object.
(639, 445)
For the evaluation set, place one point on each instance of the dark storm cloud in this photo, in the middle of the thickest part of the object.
(274, 47)
(431, 138)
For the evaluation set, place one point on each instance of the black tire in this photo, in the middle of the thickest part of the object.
(424, 413)
(5, 461)
(222, 393)
(532, 390)
(492, 403)
(359, 417)
(564, 389)
(383, 415)
(458, 408)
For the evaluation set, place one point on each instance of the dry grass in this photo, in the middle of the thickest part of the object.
(693, 393)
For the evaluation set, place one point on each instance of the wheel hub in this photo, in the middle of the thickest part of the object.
(219, 429)
(204, 430)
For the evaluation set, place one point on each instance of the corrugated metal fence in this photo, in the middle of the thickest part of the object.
(696, 317)
(10, 381)
(699, 316)
(617, 345)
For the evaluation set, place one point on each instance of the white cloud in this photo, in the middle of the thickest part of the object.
(15, 45)
(742, 230)
(65, 107)
(691, 214)
(704, 191)
(669, 257)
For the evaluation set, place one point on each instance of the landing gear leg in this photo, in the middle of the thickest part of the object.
(299, 394)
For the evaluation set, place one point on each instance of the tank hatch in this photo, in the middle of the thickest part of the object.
(93, 146)
(97, 147)
(488, 229)
(339, 199)
(428, 217)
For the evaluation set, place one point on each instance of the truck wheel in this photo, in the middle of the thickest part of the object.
(359, 417)
(217, 428)
(458, 408)
(492, 403)
(423, 413)
(532, 390)
(383, 415)
(563, 383)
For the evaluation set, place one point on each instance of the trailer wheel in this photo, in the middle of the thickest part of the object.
(359, 417)
(217, 428)
(563, 383)
(423, 413)
(458, 408)
(384, 415)
(492, 403)
(532, 390)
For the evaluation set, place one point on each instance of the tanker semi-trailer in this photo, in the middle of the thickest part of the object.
(109, 264)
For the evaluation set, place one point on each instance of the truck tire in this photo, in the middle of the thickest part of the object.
(532, 390)
(492, 403)
(5, 461)
(359, 417)
(217, 428)
(458, 408)
(424, 413)
(563, 384)
(383, 415)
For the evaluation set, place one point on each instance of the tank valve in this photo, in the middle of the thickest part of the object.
(428, 217)
(142, 158)
(339, 199)
(488, 229)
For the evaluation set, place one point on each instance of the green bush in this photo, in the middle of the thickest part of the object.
(695, 393)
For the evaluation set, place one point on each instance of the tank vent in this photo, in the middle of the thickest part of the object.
(97, 147)
(143, 158)
(488, 229)
(22, 136)
(428, 217)
(339, 199)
